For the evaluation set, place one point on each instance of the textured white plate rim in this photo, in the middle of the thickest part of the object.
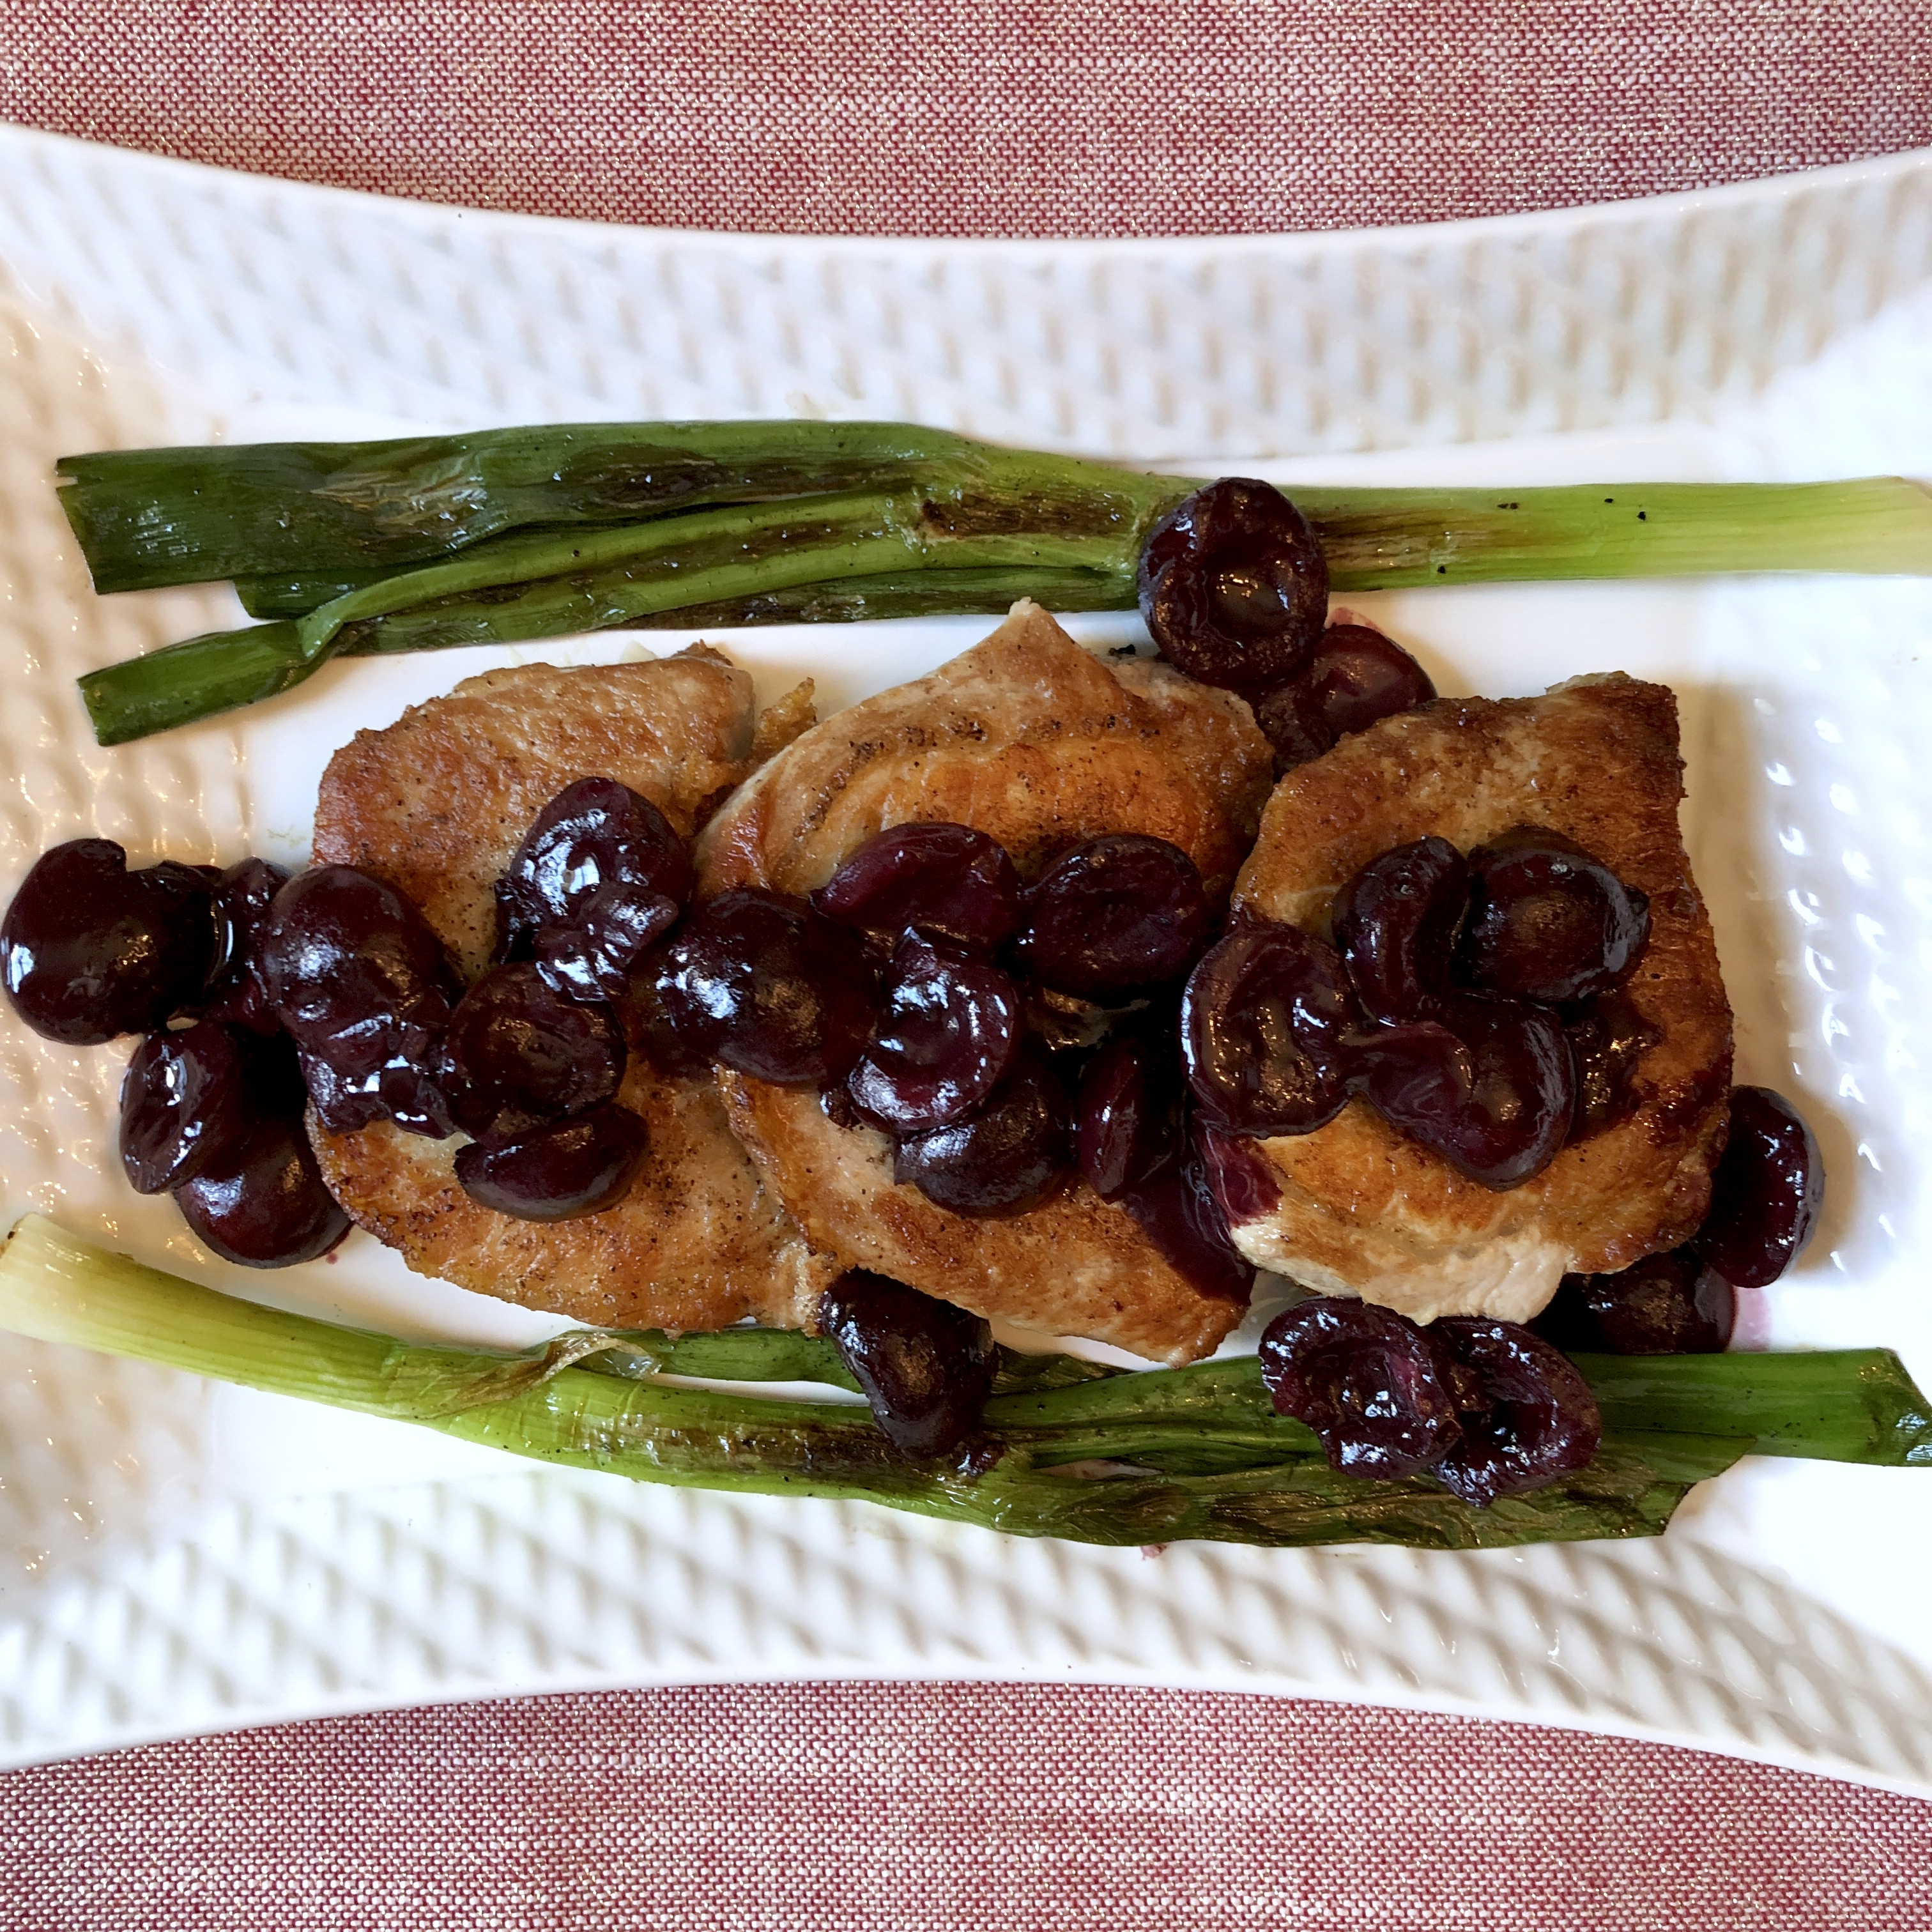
(350, 1704)
(431, 217)
(1767, 189)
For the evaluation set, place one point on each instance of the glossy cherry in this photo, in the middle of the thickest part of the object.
(189, 1101)
(1234, 586)
(1246, 1185)
(768, 987)
(559, 1172)
(1264, 1023)
(951, 1028)
(362, 985)
(1009, 1157)
(1067, 1025)
(267, 1206)
(1548, 921)
(1667, 1304)
(1396, 922)
(649, 1034)
(236, 992)
(1489, 1086)
(926, 1367)
(1115, 916)
(519, 1053)
(943, 880)
(1127, 1111)
(1176, 1206)
(599, 878)
(89, 950)
(1526, 1416)
(1356, 677)
(1765, 1194)
(1607, 1039)
(1374, 1386)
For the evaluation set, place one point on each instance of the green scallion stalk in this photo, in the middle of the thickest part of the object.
(1394, 539)
(148, 518)
(338, 512)
(1830, 1405)
(618, 575)
(951, 592)
(1840, 1404)
(513, 536)
(199, 677)
(540, 1404)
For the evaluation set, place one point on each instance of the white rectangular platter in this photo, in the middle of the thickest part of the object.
(176, 1557)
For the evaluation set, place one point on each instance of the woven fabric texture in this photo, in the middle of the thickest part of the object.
(958, 1808)
(985, 117)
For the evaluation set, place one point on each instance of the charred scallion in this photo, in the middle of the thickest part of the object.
(512, 536)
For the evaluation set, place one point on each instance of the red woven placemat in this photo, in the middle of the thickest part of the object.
(949, 1808)
(985, 117)
(896, 1809)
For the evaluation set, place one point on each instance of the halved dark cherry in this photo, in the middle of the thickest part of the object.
(519, 1053)
(1765, 1195)
(1375, 1387)
(1127, 1114)
(593, 957)
(267, 1206)
(768, 987)
(236, 992)
(1396, 922)
(649, 1034)
(1291, 720)
(942, 879)
(601, 876)
(362, 986)
(1245, 1185)
(951, 1027)
(1359, 677)
(189, 1101)
(1356, 677)
(1548, 921)
(1606, 1041)
(1489, 1086)
(1668, 1304)
(89, 950)
(560, 1172)
(1115, 916)
(1006, 1158)
(1176, 1206)
(1065, 1024)
(1527, 1416)
(926, 1367)
(1263, 1025)
(1233, 586)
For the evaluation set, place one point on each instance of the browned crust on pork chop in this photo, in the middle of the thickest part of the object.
(1026, 736)
(696, 1244)
(436, 804)
(1033, 740)
(1363, 1208)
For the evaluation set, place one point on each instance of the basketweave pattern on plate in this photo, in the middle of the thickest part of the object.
(150, 301)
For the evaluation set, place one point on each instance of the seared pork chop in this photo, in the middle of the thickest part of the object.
(436, 805)
(1031, 739)
(1359, 1208)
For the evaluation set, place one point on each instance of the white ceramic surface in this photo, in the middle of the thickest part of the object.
(175, 1557)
